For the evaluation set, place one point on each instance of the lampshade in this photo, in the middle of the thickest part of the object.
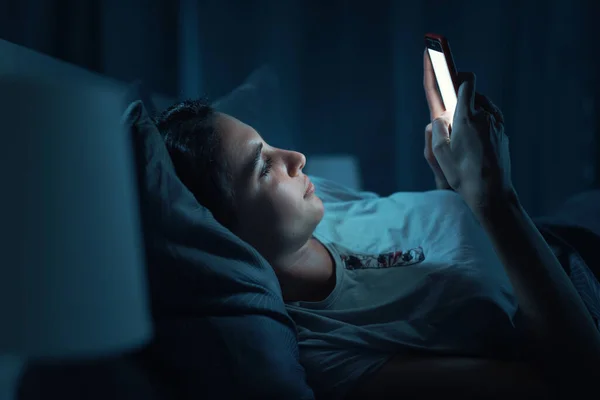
(72, 281)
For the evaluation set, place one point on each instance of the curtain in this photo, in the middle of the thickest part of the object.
(125, 39)
(535, 63)
(350, 75)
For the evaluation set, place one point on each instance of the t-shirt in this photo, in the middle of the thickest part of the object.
(414, 271)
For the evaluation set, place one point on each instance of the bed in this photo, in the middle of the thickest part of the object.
(201, 351)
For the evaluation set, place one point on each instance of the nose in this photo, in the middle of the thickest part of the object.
(297, 161)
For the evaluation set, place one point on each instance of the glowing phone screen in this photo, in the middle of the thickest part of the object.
(444, 80)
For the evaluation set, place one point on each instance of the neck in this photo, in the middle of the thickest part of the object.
(307, 274)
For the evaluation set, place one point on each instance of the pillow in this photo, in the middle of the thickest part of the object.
(221, 328)
(138, 91)
(260, 103)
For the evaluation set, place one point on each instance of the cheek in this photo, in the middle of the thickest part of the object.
(277, 206)
(281, 204)
(265, 217)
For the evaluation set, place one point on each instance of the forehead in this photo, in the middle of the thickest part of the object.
(238, 141)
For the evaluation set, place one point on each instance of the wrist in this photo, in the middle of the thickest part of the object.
(495, 206)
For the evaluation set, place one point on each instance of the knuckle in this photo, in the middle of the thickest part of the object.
(499, 115)
(437, 147)
(440, 122)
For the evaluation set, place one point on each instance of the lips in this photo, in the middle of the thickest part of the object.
(310, 188)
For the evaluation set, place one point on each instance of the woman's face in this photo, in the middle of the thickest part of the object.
(275, 214)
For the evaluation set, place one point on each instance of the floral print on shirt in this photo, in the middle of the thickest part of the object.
(398, 258)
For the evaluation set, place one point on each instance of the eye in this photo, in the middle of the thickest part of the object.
(267, 167)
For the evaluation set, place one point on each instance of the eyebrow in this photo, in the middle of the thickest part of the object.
(253, 164)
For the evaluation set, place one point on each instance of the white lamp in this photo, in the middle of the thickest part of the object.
(72, 282)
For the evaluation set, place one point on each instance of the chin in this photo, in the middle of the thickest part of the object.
(316, 199)
(319, 210)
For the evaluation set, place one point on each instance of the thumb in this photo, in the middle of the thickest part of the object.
(440, 141)
(440, 136)
(466, 94)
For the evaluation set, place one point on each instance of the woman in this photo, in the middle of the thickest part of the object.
(383, 287)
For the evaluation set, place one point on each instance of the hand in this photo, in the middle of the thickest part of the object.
(441, 183)
(436, 110)
(475, 161)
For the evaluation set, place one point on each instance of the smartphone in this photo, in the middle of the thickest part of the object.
(444, 69)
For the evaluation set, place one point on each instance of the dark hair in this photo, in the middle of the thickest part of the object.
(193, 141)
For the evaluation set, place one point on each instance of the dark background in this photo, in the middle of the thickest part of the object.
(351, 71)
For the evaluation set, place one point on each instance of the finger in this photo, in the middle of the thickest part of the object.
(434, 99)
(484, 103)
(496, 122)
(440, 139)
(466, 94)
(428, 152)
(442, 150)
(440, 179)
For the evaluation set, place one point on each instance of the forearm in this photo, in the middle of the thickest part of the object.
(552, 309)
